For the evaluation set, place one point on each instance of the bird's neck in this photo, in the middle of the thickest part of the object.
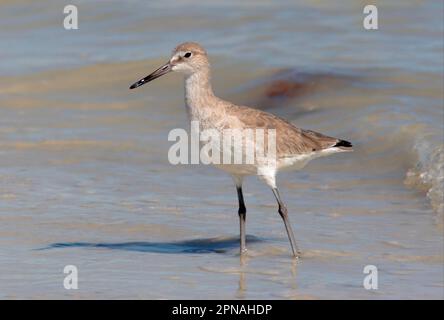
(199, 95)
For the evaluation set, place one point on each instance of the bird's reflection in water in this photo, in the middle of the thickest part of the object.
(293, 271)
(243, 261)
(243, 264)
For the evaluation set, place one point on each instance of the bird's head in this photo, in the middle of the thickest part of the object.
(187, 58)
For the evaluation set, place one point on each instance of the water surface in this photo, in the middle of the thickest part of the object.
(85, 179)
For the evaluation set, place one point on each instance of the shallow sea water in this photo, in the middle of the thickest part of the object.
(85, 179)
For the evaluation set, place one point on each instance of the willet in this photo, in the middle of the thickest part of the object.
(294, 147)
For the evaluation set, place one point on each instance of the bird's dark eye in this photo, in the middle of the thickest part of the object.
(187, 55)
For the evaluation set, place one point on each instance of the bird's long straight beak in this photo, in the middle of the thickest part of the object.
(156, 74)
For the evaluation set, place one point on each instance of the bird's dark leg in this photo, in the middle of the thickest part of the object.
(242, 215)
(284, 215)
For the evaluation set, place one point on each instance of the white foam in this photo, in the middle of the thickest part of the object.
(428, 175)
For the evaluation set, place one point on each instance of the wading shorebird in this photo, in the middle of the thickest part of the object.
(294, 147)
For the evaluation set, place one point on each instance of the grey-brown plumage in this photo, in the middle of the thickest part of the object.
(294, 147)
(290, 140)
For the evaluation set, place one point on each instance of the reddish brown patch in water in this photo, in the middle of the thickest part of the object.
(286, 88)
(289, 84)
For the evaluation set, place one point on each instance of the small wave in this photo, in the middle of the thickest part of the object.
(326, 254)
(428, 176)
(414, 258)
(65, 144)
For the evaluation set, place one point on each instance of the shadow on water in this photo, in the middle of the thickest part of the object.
(209, 245)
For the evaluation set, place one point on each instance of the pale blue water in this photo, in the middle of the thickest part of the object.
(85, 180)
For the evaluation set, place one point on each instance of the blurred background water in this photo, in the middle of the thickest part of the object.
(85, 179)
